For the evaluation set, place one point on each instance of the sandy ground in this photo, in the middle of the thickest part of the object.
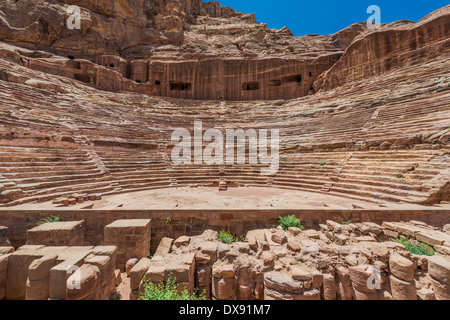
(233, 198)
(124, 287)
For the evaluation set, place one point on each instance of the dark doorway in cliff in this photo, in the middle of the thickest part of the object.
(249, 86)
(292, 78)
(82, 77)
(180, 86)
(157, 82)
(111, 65)
(274, 83)
(71, 57)
(310, 74)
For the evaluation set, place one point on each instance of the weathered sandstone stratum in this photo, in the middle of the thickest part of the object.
(362, 114)
(181, 49)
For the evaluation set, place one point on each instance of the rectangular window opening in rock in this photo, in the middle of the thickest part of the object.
(249, 86)
(180, 86)
(292, 78)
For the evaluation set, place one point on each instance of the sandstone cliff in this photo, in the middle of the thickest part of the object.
(396, 45)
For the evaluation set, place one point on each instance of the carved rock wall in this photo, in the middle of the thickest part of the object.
(390, 48)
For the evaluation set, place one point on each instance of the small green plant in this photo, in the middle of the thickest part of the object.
(291, 49)
(346, 223)
(168, 291)
(168, 220)
(291, 221)
(150, 256)
(226, 237)
(48, 220)
(321, 164)
(421, 249)
(400, 176)
(203, 12)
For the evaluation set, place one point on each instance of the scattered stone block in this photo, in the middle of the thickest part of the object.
(82, 283)
(402, 290)
(131, 237)
(279, 237)
(118, 277)
(182, 241)
(401, 267)
(164, 247)
(294, 246)
(439, 269)
(359, 276)
(130, 264)
(138, 272)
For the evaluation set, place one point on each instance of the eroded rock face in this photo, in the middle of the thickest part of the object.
(367, 267)
(184, 39)
(396, 45)
(196, 50)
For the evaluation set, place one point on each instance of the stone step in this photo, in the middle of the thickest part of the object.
(400, 183)
(380, 189)
(31, 174)
(59, 178)
(45, 164)
(37, 188)
(51, 196)
(339, 190)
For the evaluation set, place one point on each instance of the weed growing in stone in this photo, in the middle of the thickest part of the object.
(291, 221)
(168, 291)
(226, 237)
(48, 220)
(420, 249)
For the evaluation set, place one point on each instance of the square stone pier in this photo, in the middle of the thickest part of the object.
(69, 233)
(131, 237)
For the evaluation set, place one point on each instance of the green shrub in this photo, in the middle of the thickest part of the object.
(321, 164)
(48, 220)
(226, 237)
(291, 49)
(345, 223)
(421, 249)
(291, 221)
(400, 176)
(168, 291)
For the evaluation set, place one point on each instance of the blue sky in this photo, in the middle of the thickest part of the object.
(327, 17)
